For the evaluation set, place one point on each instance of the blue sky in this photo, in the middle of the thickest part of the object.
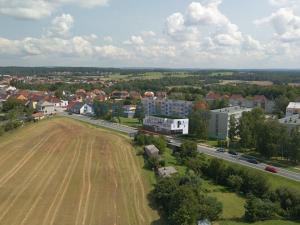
(156, 33)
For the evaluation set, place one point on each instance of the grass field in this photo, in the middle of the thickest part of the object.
(62, 172)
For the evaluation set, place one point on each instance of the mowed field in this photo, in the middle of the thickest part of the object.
(62, 172)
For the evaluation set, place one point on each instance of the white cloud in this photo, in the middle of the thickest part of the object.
(37, 9)
(108, 39)
(61, 25)
(149, 33)
(285, 3)
(285, 23)
(134, 40)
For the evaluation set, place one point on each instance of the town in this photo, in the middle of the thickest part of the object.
(126, 112)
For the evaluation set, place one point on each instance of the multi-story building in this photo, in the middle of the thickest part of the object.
(219, 123)
(166, 125)
(291, 122)
(293, 108)
(167, 107)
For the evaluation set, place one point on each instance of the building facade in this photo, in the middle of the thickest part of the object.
(219, 123)
(167, 107)
(166, 125)
(292, 109)
(291, 122)
(45, 107)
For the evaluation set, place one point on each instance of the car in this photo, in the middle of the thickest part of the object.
(253, 161)
(231, 152)
(271, 169)
(222, 150)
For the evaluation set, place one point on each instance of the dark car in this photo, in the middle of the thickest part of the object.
(254, 161)
(271, 169)
(222, 150)
(231, 152)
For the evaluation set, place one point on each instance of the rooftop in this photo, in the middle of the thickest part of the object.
(232, 110)
(294, 105)
(294, 119)
(166, 171)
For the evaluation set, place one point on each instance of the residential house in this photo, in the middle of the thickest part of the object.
(120, 95)
(80, 108)
(151, 151)
(212, 96)
(45, 107)
(129, 111)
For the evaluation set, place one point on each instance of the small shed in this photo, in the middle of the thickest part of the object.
(204, 222)
(151, 151)
(166, 171)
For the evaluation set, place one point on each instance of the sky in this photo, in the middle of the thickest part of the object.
(235, 34)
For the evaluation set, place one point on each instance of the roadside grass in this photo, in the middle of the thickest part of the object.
(131, 122)
(274, 180)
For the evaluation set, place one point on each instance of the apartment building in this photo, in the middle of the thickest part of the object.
(292, 109)
(167, 107)
(219, 123)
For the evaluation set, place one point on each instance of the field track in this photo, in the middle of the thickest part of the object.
(62, 172)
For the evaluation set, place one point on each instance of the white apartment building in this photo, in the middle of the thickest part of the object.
(166, 125)
(219, 123)
(167, 107)
(291, 121)
(292, 109)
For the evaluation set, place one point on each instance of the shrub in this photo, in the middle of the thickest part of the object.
(258, 209)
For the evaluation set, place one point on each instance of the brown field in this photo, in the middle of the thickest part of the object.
(62, 172)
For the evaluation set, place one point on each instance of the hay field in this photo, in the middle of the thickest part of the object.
(62, 172)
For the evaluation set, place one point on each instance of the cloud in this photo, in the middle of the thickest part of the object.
(61, 25)
(108, 39)
(58, 42)
(285, 3)
(37, 9)
(134, 40)
(285, 24)
(149, 33)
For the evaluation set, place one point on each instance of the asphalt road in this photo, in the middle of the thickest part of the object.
(261, 166)
(202, 149)
(102, 123)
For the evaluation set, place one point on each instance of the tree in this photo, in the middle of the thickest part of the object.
(199, 122)
(257, 209)
(271, 138)
(293, 152)
(233, 129)
(280, 105)
(101, 109)
(139, 113)
(235, 182)
(188, 150)
(248, 125)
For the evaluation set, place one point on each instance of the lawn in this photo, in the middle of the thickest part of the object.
(61, 171)
(171, 161)
(131, 122)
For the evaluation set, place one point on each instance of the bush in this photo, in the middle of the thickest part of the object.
(258, 209)
(235, 182)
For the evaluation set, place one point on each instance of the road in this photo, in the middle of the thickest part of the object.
(202, 149)
(102, 123)
(261, 166)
